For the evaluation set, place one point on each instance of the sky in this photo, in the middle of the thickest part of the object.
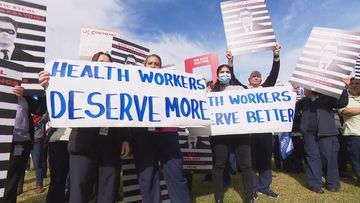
(180, 29)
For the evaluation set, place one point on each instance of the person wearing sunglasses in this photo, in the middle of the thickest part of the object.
(9, 50)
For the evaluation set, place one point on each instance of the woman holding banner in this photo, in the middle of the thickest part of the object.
(95, 158)
(221, 144)
(154, 145)
(263, 141)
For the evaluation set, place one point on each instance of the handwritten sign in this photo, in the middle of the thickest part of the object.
(95, 94)
(252, 111)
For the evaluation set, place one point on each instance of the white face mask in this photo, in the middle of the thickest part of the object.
(224, 78)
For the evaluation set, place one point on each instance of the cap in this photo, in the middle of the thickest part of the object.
(255, 73)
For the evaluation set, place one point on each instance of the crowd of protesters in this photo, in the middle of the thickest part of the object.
(87, 161)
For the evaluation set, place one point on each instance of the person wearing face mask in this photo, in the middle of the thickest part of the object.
(221, 144)
(154, 145)
(262, 143)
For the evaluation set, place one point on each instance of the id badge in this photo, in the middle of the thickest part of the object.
(104, 131)
(18, 149)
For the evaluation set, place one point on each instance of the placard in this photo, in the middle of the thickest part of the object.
(247, 26)
(329, 55)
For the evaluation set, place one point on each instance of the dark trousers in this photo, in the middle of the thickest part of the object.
(342, 157)
(99, 166)
(17, 166)
(353, 148)
(322, 160)
(277, 156)
(59, 169)
(221, 147)
(149, 149)
(294, 162)
(262, 146)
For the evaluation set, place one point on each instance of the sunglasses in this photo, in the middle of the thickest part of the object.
(9, 31)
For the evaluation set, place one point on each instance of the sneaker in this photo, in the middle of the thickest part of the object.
(269, 193)
(317, 190)
(332, 189)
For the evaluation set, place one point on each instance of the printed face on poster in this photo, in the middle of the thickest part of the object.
(204, 65)
(22, 38)
(94, 40)
(247, 26)
(128, 53)
(89, 94)
(329, 55)
(195, 148)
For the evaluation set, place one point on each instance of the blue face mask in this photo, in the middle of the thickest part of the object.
(224, 78)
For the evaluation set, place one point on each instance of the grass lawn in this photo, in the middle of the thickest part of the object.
(291, 187)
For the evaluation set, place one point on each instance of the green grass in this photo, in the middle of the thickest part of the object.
(291, 187)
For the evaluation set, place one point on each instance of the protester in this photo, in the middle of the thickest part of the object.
(222, 144)
(263, 141)
(37, 153)
(95, 158)
(23, 137)
(59, 164)
(351, 126)
(154, 145)
(321, 144)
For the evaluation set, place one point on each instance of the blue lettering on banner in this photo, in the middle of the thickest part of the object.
(108, 106)
(72, 108)
(55, 69)
(227, 118)
(260, 98)
(185, 108)
(270, 115)
(127, 108)
(173, 80)
(286, 96)
(216, 100)
(52, 104)
(89, 71)
(92, 103)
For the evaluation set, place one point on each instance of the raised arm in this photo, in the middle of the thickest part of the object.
(274, 73)
(230, 58)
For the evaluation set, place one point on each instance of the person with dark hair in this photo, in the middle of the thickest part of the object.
(222, 144)
(95, 158)
(8, 49)
(321, 144)
(351, 132)
(264, 141)
(154, 145)
(23, 137)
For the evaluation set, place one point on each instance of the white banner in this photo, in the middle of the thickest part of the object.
(95, 94)
(257, 110)
(95, 40)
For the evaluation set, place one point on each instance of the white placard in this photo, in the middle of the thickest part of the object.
(95, 94)
(256, 110)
